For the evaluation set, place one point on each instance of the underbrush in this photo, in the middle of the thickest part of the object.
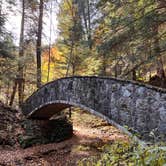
(128, 154)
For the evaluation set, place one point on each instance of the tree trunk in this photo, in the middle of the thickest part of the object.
(38, 44)
(160, 78)
(7, 93)
(49, 54)
(104, 65)
(0, 8)
(68, 67)
(159, 61)
(134, 76)
(21, 54)
(13, 93)
(89, 26)
(85, 21)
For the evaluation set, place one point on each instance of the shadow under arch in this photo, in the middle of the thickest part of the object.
(47, 110)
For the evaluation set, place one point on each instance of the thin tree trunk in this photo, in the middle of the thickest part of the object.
(49, 54)
(49, 62)
(72, 39)
(70, 57)
(85, 21)
(7, 93)
(13, 93)
(160, 66)
(68, 67)
(89, 26)
(134, 76)
(156, 43)
(38, 44)
(21, 54)
(0, 8)
(161, 3)
(103, 70)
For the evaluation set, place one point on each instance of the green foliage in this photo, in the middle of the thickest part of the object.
(123, 153)
(75, 37)
(126, 37)
(130, 29)
(7, 46)
(7, 59)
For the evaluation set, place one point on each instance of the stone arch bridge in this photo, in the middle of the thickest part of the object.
(138, 106)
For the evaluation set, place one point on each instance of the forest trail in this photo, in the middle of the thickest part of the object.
(90, 135)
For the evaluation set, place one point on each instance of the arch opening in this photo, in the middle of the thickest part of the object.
(49, 109)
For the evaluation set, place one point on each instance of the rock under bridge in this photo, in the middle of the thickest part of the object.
(140, 107)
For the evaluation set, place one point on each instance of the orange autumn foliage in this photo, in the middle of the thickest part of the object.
(56, 61)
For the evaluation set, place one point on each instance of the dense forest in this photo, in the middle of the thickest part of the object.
(124, 39)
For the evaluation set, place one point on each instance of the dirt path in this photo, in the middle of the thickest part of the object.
(90, 134)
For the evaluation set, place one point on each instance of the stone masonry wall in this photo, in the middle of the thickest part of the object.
(36, 132)
(140, 107)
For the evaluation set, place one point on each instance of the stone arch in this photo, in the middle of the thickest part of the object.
(61, 104)
(139, 106)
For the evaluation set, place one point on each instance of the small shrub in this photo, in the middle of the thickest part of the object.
(129, 154)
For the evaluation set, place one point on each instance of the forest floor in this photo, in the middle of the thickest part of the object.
(90, 135)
